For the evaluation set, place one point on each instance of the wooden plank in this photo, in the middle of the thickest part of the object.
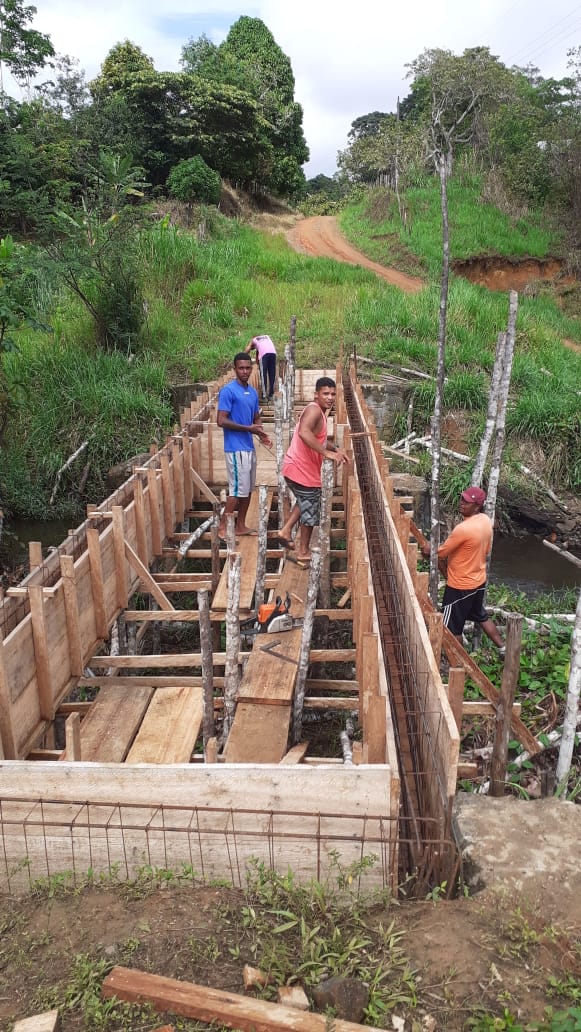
(167, 494)
(97, 583)
(111, 725)
(216, 1005)
(296, 754)
(41, 651)
(49, 1021)
(202, 486)
(119, 552)
(170, 727)
(248, 548)
(153, 681)
(331, 702)
(259, 733)
(456, 680)
(146, 579)
(164, 615)
(8, 746)
(483, 708)
(140, 531)
(73, 737)
(67, 566)
(155, 519)
(178, 480)
(320, 684)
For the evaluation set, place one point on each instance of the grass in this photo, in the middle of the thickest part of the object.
(205, 300)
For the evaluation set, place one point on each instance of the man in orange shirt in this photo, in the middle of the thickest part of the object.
(465, 552)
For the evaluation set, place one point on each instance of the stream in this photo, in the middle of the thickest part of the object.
(522, 563)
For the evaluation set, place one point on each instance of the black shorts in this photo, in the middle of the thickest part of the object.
(462, 604)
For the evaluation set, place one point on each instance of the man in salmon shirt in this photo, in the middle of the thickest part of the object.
(301, 467)
(465, 552)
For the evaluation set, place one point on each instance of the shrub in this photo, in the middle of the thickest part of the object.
(192, 180)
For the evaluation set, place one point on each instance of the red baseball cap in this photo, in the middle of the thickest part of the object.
(474, 494)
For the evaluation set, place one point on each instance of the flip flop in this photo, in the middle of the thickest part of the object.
(286, 542)
(247, 533)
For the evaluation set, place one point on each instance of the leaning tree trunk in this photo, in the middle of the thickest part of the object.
(572, 705)
(440, 373)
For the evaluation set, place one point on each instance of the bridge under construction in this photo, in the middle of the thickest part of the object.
(139, 724)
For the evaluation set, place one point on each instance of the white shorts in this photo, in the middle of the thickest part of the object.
(241, 470)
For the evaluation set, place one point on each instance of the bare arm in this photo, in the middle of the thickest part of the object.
(310, 424)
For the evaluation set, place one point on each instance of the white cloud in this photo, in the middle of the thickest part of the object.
(347, 59)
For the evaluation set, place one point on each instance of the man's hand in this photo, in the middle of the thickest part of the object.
(426, 550)
(337, 455)
(261, 434)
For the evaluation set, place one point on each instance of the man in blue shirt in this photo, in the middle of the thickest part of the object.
(239, 417)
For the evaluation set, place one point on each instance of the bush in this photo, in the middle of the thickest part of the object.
(192, 180)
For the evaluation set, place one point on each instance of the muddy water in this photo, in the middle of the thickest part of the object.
(524, 564)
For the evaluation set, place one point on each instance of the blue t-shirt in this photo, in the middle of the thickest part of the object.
(242, 406)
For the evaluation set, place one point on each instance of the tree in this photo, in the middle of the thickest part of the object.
(193, 180)
(367, 125)
(460, 89)
(22, 50)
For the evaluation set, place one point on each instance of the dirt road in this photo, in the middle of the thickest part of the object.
(320, 237)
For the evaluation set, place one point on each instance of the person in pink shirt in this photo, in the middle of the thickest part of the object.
(301, 467)
(266, 356)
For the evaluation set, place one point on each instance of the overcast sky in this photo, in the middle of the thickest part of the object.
(348, 58)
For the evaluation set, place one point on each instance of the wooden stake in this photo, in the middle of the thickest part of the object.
(231, 671)
(456, 681)
(73, 737)
(41, 652)
(34, 554)
(140, 533)
(262, 546)
(121, 579)
(207, 665)
(504, 709)
(97, 584)
(156, 535)
(67, 565)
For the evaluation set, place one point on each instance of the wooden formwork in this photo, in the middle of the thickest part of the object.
(58, 812)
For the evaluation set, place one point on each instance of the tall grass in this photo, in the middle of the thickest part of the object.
(206, 299)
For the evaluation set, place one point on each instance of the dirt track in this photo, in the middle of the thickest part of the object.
(320, 238)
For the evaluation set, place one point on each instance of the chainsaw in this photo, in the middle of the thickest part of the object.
(271, 618)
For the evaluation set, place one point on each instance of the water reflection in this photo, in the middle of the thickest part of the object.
(524, 564)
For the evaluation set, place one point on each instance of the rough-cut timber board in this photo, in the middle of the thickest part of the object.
(47, 1022)
(248, 548)
(216, 1005)
(259, 734)
(170, 727)
(267, 677)
(109, 729)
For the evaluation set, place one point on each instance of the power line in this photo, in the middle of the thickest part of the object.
(557, 40)
(545, 34)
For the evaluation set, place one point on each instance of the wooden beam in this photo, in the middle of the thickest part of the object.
(146, 579)
(331, 702)
(71, 598)
(121, 580)
(7, 734)
(203, 487)
(216, 1005)
(73, 737)
(97, 583)
(41, 651)
(153, 492)
(296, 754)
(153, 616)
(140, 533)
(483, 708)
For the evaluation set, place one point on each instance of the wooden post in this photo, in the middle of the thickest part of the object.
(279, 445)
(41, 651)
(67, 564)
(510, 674)
(178, 480)
(8, 737)
(187, 472)
(210, 441)
(140, 533)
(231, 673)
(215, 546)
(34, 554)
(327, 480)
(195, 464)
(435, 631)
(97, 584)
(262, 545)
(156, 535)
(207, 666)
(230, 532)
(121, 579)
(303, 666)
(167, 494)
(456, 680)
(73, 737)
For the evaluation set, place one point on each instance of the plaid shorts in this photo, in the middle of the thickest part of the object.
(308, 501)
